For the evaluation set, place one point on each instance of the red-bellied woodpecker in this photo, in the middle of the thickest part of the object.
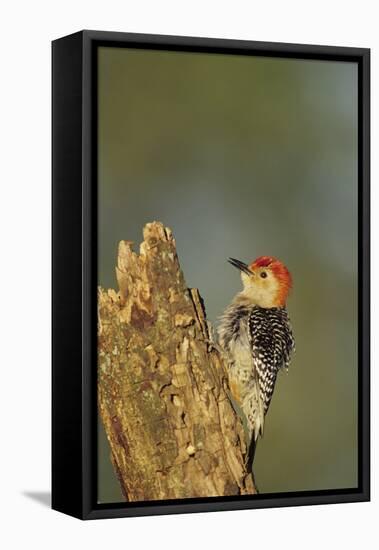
(255, 333)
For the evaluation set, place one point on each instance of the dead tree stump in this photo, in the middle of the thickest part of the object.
(162, 389)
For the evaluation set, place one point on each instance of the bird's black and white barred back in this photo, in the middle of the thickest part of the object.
(272, 343)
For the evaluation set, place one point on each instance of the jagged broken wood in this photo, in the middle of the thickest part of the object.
(162, 387)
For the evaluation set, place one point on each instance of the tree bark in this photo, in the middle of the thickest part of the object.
(162, 388)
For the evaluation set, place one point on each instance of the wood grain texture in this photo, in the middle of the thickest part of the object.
(162, 388)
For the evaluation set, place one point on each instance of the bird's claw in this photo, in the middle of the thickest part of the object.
(214, 345)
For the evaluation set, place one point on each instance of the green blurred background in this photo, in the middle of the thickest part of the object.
(246, 156)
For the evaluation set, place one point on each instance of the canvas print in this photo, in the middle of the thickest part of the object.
(227, 347)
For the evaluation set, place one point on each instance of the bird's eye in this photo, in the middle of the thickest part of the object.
(263, 274)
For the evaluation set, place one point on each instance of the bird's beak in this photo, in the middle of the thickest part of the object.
(240, 265)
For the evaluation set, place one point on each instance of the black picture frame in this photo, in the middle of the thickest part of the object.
(74, 271)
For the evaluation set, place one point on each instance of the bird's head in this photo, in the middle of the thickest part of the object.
(266, 281)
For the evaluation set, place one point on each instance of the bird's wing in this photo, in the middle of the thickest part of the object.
(271, 343)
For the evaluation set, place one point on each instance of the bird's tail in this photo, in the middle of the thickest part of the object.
(250, 455)
(254, 413)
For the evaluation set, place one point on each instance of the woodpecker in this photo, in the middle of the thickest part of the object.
(256, 336)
